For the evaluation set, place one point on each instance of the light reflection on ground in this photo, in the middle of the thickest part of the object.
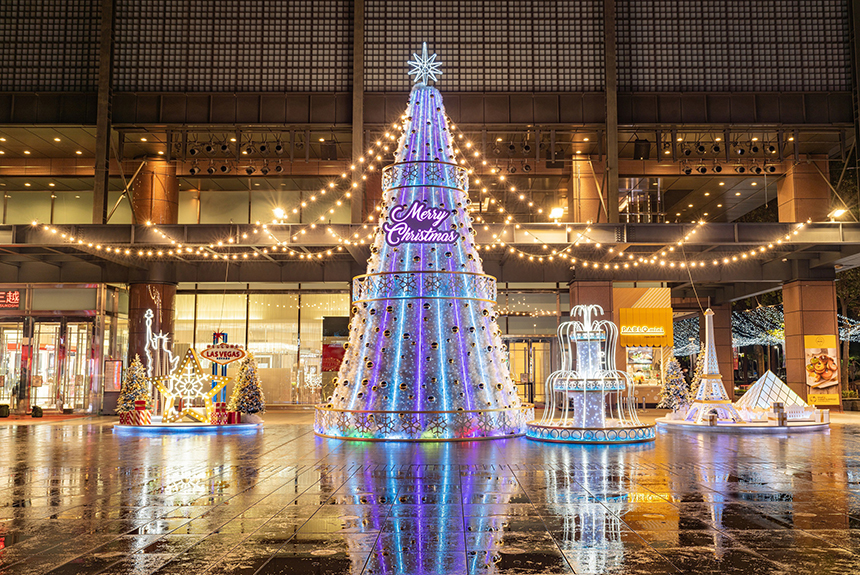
(78, 499)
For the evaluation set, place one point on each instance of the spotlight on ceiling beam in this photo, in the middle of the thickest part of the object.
(211, 170)
(718, 168)
(209, 148)
(838, 212)
(250, 170)
(716, 148)
(264, 148)
(700, 148)
(279, 148)
(688, 170)
(225, 168)
(740, 169)
(194, 170)
(641, 149)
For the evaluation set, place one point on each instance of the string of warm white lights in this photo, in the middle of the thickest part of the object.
(177, 249)
(551, 251)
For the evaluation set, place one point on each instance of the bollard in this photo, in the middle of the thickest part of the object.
(712, 419)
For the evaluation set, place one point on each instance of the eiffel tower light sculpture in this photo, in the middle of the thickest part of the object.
(589, 400)
(711, 396)
(424, 360)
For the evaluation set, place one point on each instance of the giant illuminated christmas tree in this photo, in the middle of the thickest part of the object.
(425, 359)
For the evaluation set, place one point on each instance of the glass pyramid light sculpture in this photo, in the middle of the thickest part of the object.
(588, 399)
(424, 360)
(711, 396)
(768, 390)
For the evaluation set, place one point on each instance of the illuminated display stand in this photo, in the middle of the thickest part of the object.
(588, 399)
(188, 394)
(711, 410)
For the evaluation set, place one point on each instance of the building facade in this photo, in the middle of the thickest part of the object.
(219, 164)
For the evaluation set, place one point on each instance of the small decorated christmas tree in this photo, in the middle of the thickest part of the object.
(247, 396)
(675, 395)
(697, 373)
(135, 387)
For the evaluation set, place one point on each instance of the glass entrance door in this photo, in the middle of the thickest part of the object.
(10, 360)
(75, 375)
(532, 361)
(61, 376)
(46, 351)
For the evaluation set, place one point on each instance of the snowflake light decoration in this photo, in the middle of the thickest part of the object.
(424, 67)
(189, 383)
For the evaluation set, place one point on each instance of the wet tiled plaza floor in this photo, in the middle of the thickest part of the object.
(76, 498)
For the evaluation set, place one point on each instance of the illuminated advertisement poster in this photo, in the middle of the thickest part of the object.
(821, 360)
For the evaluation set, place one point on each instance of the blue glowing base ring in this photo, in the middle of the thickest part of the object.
(610, 435)
(187, 428)
(749, 428)
(421, 425)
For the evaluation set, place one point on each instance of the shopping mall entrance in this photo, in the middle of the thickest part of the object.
(54, 369)
(532, 360)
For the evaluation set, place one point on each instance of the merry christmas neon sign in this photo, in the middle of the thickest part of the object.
(417, 224)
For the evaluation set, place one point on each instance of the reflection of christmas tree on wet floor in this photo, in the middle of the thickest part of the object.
(247, 396)
(425, 359)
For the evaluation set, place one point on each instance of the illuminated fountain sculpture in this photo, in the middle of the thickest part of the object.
(592, 403)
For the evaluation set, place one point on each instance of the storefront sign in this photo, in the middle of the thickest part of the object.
(10, 299)
(223, 353)
(822, 399)
(417, 224)
(822, 369)
(642, 330)
(645, 326)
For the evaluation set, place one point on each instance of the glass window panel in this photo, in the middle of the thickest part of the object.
(224, 207)
(263, 205)
(25, 207)
(314, 308)
(74, 208)
(220, 312)
(184, 320)
(273, 339)
(122, 215)
(188, 207)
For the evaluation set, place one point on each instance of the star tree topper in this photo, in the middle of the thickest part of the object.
(188, 382)
(424, 67)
